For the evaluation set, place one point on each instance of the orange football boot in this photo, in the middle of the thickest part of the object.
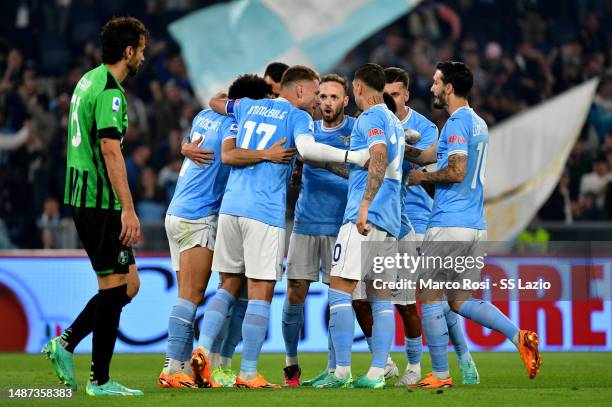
(432, 382)
(528, 348)
(175, 381)
(201, 369)
(258, 382)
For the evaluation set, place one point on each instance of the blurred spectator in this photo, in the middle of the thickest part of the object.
(558, 207)
(595, 182)
(48, 223)
(168, 176)
(587, 208)
(135, 163)
(150, 199)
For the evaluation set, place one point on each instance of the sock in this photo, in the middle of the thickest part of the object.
(383, 331)
(180, 325)
(331, 353)
(375, 372)
(342, 372)
(105, 327)
(172, 365)
(254, 331)
(214, 359)
(214, 317)
(487, 315)
(234, 332)
(414, 350)
(369, 342)
(225, 363)
(81, 327)
(293, 320)
(455, 332)
(436, 334)
(342, 328)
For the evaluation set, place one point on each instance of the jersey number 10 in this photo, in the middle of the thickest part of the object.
(480, 164)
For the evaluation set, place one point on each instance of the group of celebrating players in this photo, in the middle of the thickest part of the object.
(362, 183)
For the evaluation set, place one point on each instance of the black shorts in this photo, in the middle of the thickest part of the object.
(99, 231)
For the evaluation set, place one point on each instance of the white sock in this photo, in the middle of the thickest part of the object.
(331, 370)
(389, 360)
(442, 375)
(214, 359)
(187, 368)
(375, 372)
(247, 375)
(414, 368)
(342, 372)
(173, 366)
(291, 360)
(206, 351)
(226, 363)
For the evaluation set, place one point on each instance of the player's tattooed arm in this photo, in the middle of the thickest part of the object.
(454, 172)
(341, 170)
(218, 103)
(421, 157)
(376, 171)
(242, 157)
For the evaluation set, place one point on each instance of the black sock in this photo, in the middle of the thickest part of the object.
(82, 325)
(105, 327)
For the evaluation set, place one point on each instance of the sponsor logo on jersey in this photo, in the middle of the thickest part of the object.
(116, 104)
(375, 131)
(457, 139)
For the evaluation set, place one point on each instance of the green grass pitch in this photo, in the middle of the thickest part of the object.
(566, 379)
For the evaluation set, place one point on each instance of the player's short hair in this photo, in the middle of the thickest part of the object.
(298, 73)
(394, 74)
(332, 77)
(275, 70)
(373, 75)
(249, 86)
(457, 74)
(388, 99)
(118, 34)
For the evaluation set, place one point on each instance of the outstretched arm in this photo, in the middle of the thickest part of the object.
(242, 157)
(421, 157)
(454, 172)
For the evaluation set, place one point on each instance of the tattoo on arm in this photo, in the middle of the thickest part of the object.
(454, 172)
(340, 169)
(412, 152)
(376, 174)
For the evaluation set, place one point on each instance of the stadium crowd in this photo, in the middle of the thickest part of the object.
(521, 52)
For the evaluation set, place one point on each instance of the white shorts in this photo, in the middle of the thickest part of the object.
(307, 255)
(410, 243)
(250, 247)
(184, 234)
(347, 256)
(457, 243)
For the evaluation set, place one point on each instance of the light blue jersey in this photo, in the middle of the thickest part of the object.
(320, 207)
(199, 191)
(416, 202)
(378, 125)
(259, 191)
(461, 204)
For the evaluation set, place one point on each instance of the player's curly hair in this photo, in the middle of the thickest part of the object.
(457, 74)
(118, 34)
(249, 86)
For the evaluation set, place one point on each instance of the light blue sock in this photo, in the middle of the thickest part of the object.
(331, 352)
(369, 342)
(383, 330)
(254, 331)
(414, 349)
(487, 315)
(214, 317)
(293, 320)
(341, 325)
(234, 333)
(455, 332)
(216, 345)
(180, 329)
(436, 334)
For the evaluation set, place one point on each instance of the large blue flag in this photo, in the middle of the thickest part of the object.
(225, 40)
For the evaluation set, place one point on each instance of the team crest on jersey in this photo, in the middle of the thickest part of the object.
(123, 257)
(116, 104)
(233, 128)
(346, 139)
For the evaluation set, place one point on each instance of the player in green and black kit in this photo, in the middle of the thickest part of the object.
(97, 189)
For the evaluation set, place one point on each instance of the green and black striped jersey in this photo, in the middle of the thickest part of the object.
(97, 110)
